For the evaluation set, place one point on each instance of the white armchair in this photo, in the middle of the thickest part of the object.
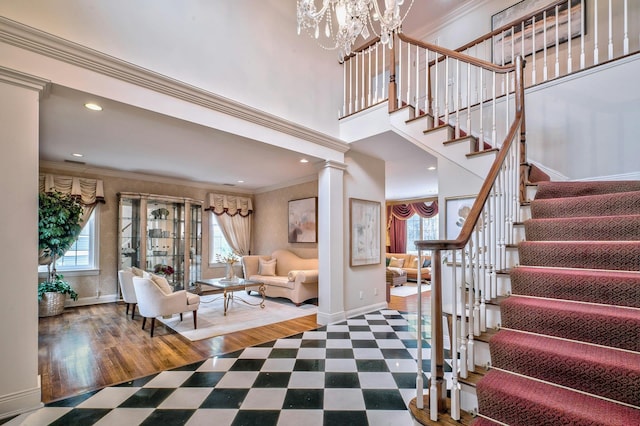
(125, 278)
(155, 300)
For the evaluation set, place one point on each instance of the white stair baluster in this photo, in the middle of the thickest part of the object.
(569, 34)
(610, 46)
(625, 40)
(533, 50)
(582, 25)
(557, 64)
(544, 44)
(596, 53)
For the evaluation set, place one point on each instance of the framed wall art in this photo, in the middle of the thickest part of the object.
(456, 211)
(534, 36)
(303, 220)
(364, 232)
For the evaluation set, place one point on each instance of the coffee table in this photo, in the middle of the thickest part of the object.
(227, 287)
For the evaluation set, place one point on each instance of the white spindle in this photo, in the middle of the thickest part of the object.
(610, 46)
(344, 89)
(582, 24)
(458, 98)
(468, 99)
(533, 51)
(369, 77)
(350, 87)
(625, 40)
(476, 283)
(522, 28)
(471, 359)
(433, 389)
(569, 34)
(481, 131)
(557, 25)
(596, 53)
(417, 60)
(463, 315)
(399, 79)
(426, 82)
(446, 90)
(377, 99)
(419, 379)
(363, 103)
(357, 82)
(494, 240)
(408, 74)
(482, 250)
(455, 386)
(436, 111)
(494, 140)
(385, 83)
(544, 43)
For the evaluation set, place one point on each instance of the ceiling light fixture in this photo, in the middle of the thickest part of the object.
(240, 181)
(93, 107)
(431, 168)
(345, 20)
(304, 160)
(77, 155)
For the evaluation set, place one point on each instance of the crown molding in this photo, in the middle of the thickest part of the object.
(81, 168)
(26, 81)
(438, 25)
(40, 42)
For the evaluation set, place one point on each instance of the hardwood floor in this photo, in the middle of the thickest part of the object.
(90, 347)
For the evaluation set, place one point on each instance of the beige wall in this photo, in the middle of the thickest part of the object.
(270, 220)
(102, 288)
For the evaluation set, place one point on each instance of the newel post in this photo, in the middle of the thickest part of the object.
(393, 95)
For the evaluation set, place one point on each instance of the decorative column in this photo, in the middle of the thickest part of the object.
(331, 245)
(19, 118)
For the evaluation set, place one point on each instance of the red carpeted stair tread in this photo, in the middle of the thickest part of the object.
(597, 370)
(613, 255)
(537, 175)
(581, 189)
(623, 203)
(518, 401)
(620, 288)
(601, 228)
(481, 421)
(599, 324)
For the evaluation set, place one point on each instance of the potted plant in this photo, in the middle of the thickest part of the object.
(59, 217)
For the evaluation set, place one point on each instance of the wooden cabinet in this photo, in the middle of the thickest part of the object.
(160, 233)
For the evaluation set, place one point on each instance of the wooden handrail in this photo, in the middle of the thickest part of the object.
(483, 195)
(509, 25)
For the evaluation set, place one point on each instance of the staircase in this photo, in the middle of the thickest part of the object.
(568, 351)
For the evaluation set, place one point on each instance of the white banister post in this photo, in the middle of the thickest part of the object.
(481, 106)
(417, 60)
(458, 93)
(610, 46)
(419, 377)
(453, 338)
(408, 74)
(494, 137)
(625, 40)
(436, 111)
(446, 90)
(544, 44)
(569, 34)
(399, 78)
(557, 64)
(426, 82)
(582, 25)
(596, 53)
(469, 99)
(533, 49)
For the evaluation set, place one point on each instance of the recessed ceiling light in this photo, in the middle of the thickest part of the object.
(431, 168)
(304, 160)
(93, 107)
(77, 155)
(240, 181)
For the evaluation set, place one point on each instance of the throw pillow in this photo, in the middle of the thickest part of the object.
(267, 267)
(137, 271)
(396, 263)
(388, 260)
(426, 263)
(162, 283)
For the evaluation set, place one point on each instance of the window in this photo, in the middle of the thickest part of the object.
(83, 254)
(419, 228)
(217, 242)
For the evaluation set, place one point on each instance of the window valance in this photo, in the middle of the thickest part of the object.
(231, 205)
(405, 211)
(88, 191)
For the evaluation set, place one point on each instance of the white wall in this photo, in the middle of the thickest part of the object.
(267, 66)
(364, 179)
(19, 387)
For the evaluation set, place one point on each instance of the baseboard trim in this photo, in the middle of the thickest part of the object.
(17, 403)
(622, 176)
(366, 309)
(92, 300)
(323, 318)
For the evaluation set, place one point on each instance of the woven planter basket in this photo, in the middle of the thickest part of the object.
(51, 304)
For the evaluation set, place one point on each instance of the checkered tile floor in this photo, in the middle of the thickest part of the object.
(359, 372)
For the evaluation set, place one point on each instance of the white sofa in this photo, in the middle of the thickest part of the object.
(293, 277)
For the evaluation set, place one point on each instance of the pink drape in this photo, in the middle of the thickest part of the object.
(397, 214)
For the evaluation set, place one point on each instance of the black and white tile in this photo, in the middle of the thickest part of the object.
(361, 371)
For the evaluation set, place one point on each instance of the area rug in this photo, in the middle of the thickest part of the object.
(408, 289)
(240, 316)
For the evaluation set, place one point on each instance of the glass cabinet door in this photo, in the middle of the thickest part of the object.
(165, 240)
(195, 244)
(129, 233)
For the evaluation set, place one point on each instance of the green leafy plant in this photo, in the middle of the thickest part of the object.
(59, 217)
(56, 285)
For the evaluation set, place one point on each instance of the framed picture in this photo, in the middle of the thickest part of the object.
(364, 232)
(534, 41)
(456, 210)
(303, 220)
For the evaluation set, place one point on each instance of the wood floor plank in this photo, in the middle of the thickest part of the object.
(90, 347)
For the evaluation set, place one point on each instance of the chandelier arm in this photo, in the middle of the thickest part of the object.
(322, 11)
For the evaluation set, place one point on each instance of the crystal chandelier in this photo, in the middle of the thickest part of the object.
(345, 20)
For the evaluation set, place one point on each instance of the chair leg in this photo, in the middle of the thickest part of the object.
(180, 316)
(133, 311)
(127, 311)
(144, 322)
(153, 323)
(195, 319)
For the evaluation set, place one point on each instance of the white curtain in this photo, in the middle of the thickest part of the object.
(89, 193)
(233, 214)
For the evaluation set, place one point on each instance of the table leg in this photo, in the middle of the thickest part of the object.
(261, 291)
(227, 297)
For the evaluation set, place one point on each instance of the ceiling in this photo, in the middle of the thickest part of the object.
(127, 138)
